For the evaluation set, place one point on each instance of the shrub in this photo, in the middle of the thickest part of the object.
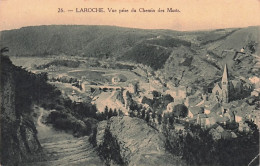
(180, 110)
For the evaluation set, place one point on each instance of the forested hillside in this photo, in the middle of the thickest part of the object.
(177, 54)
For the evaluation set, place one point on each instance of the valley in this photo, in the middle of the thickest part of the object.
(147, 97)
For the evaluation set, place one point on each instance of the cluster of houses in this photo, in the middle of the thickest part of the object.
(75, 97)
(218, 107)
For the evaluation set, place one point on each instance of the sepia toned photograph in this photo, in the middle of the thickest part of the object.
(129, 83)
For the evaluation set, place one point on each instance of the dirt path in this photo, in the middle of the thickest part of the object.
(39, 120)
(62, 148)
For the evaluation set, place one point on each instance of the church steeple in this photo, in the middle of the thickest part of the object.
(225, 74)
(225, 85)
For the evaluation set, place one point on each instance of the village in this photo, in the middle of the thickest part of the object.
(224, 109)
(191, 98)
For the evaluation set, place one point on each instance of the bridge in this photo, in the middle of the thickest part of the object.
(103, 87)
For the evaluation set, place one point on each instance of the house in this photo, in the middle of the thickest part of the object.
(216, 131)
(226, 135)
(201, 120)
(211, 107)
(169, 108)
(177, 92)
(245, 112)
(243, 127)
(115, 80)
(73, 93)
(118, 78)
(239, 116)
(256, 92)
(187, 102)
(230, 115)
(194, 111)
(236, 85)
(211, 121)
(215, 134)
(226, 111)
(189, 90)
(205, 96)
(75, 98)
(233, 135)
(219, 128)
(85, 85)
(219, 132)
(132, 87)
(255, 117)
(86, 88)
(222, 120)
(255, 81)
(207, 122)
(191, 101)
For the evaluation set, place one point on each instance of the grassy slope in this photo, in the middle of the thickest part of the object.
(236, 40)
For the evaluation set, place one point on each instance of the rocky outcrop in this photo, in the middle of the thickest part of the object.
(138, 143)
(18, 133)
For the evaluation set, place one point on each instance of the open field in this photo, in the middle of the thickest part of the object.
(95, 74)
(27, 62)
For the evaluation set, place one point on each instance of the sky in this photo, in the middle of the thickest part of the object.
(193, 15)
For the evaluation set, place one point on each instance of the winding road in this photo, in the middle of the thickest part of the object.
(62, 149)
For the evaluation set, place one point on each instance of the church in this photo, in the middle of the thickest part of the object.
(221, 90)
(227, 90)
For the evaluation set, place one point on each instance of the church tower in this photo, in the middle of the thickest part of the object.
(225, 85)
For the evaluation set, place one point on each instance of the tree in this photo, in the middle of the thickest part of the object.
(106, 112)
(167, 99)
(115, 112)
(148, 101)
(159, 118)
(120, 112)
(138, 113)
(110, 113)
(156, 94)
(131, 114)
(252, 45)
(147, 117)
(153, 115)
(5, 49)
(180, 110)
(171, 120)
(101, 116)
(165, 119)
(143, 113)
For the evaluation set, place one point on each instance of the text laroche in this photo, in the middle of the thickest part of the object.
(93, 10)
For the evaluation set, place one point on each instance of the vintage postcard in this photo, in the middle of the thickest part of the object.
(129, 82)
